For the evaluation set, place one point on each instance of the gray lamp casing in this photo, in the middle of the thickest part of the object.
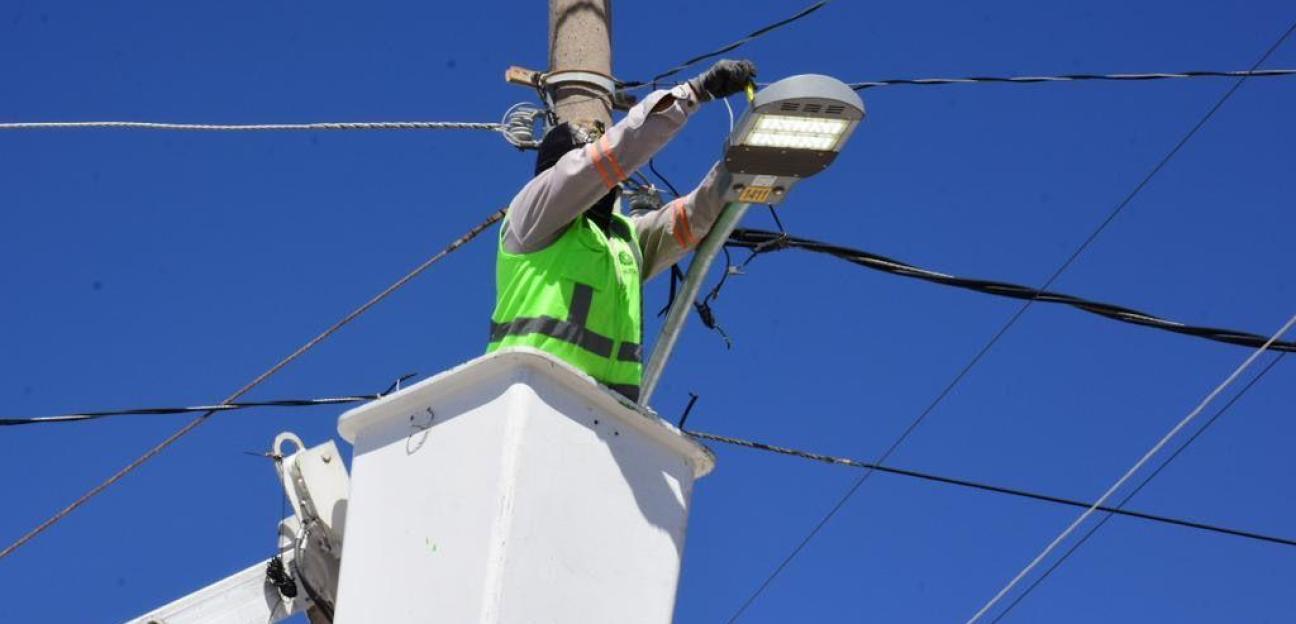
(763, 175)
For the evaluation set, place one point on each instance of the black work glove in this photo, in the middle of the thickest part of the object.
(724, 79)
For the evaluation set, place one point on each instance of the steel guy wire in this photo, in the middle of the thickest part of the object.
(310, 344)
(986, 487)
(1094, 529)
(202, 127)
(1012, 320)
(760, 241)
(1262, 73)
(1129, 473)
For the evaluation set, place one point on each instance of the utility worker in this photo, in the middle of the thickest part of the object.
(570, 267)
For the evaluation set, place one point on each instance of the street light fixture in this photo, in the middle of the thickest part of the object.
(794, 129)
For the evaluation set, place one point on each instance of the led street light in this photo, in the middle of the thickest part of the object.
(796, 132)
(794, 129)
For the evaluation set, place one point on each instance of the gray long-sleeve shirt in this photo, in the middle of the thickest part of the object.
(543, 209)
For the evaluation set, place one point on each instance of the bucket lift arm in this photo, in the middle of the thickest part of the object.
(310, 550)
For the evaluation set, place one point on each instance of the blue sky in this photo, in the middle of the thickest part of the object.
(162, 268)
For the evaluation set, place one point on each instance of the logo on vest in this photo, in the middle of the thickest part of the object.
(625, 258)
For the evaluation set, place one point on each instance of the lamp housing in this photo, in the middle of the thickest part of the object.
(793, 130)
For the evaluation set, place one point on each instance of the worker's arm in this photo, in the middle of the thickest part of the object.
(552, 199)
(555, 197)
(666, 235)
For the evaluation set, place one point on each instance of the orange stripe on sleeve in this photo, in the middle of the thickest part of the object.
(607, 151)
(685, 237)
(592, 151)
(676, 230)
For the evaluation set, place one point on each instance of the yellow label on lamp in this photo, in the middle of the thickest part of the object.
(756, 194)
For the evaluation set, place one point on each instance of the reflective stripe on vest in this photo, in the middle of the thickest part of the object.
(630, 352)
(626, 390)
(572, 330)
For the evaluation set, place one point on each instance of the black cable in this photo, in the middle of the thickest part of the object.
(705, 312)
(153, 411)
(1262, 73)
(703, 307)
(729, 48)
(1094, 529)
(773, 244)
(224, 407)
(729, 269)
(986, 487)
(395, 385)
(693, 397)
(777, 221)
(652, 165)
(676, 278)
(1008, 325)
(851, 463)
(760, 241)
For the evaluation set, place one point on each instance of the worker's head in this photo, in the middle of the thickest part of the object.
(564, 138)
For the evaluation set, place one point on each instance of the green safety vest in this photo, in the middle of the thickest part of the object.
(579, 299)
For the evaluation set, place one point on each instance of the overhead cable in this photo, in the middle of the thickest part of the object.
(1138, 465)
(1098, 525)
(1007, 325)
(760, 446)
(160, 411)
(986, 487)
(728, 48)
(310, 344)
(203, 127)
(1253, 73)
(761, 241)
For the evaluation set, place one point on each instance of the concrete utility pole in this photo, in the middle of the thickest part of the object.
(580, 39)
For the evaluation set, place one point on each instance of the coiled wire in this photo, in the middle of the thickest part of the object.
(519, 125)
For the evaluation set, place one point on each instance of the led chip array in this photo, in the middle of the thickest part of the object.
(792, 132)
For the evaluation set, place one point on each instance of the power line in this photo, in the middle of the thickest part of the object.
(1129, 473)
(728, 48)
(1262, 73)
(1094, 529)
(985, 487)
(760, 446)
(310, 344)
(1012, 320)
(1143, 77)
(223, 407)
(498, 127)
(516, 127)
(761, 241)
(161, 411)
(202, 127)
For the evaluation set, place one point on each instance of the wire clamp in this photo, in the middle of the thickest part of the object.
(547, 83)
(606, 85)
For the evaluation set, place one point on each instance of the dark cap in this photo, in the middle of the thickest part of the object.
(561, 139)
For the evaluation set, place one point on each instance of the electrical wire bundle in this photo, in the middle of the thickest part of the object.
(761, 241)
